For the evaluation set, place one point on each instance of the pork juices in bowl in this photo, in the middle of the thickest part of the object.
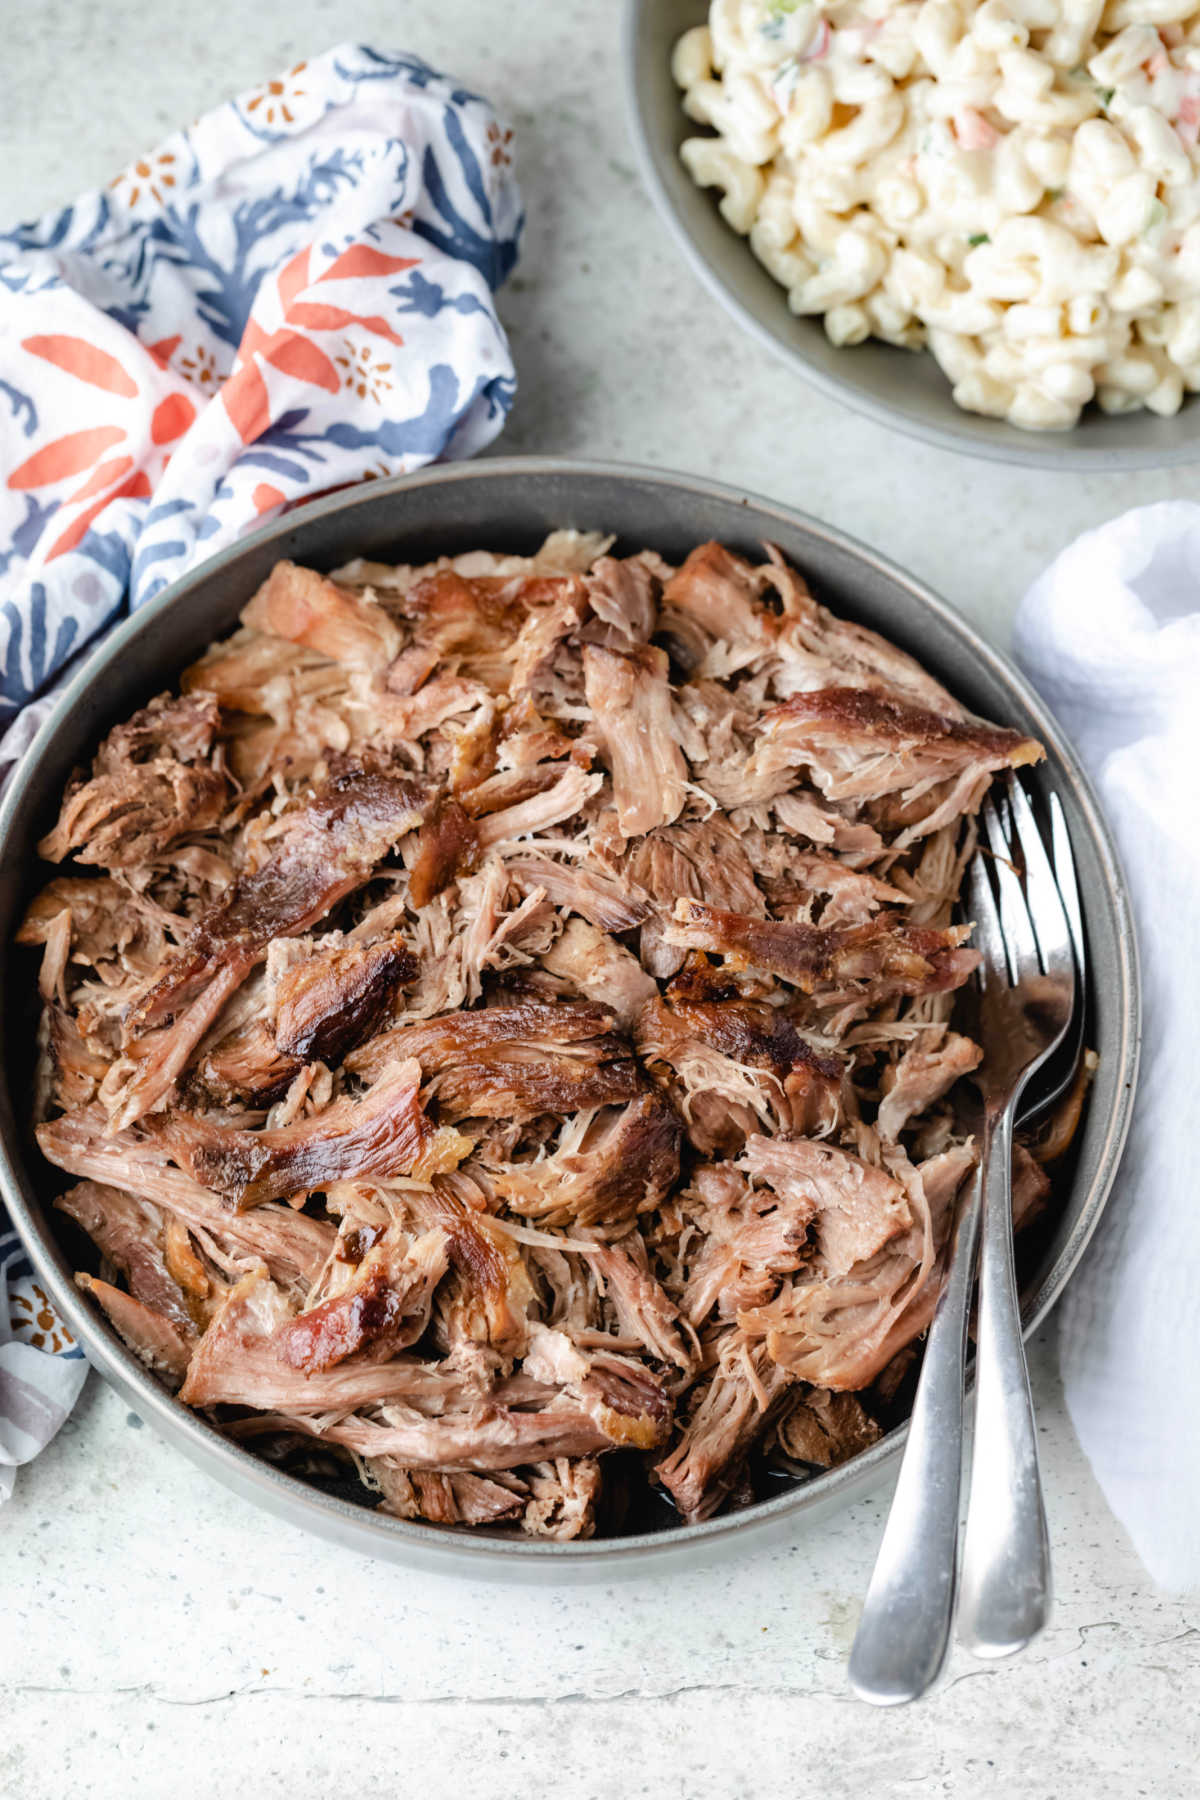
(511, 508)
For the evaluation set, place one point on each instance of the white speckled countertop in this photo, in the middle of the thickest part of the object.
(163, 1639)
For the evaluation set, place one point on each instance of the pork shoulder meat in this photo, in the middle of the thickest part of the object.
(515, 1062)
(322, 852)
(735, 1066)
(509, 1023)
(609, 1164)
(327, 1003)
(386, 1303)
(306, 608)
(880, 959)
(291, 1245)
(630, 700)
(152, 782)
(384, 1133)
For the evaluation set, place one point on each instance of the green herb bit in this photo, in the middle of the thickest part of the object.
(978, 237)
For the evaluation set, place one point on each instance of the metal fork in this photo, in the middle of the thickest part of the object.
(1030, 939)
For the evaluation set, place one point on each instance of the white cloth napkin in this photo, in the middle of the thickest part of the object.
(1110, 635)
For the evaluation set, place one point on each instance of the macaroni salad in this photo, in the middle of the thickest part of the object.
(1014, 184)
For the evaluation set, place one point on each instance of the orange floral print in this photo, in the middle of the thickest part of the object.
(277, 98)
(69, 455)
(153, 174)
(42, 1326)
(364, 374)
(87, 362)
(200, 368)
(499, 138)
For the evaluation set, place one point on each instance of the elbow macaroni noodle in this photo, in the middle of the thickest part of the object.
(1013, 184)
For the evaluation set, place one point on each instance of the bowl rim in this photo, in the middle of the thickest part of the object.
(368, 1531)
(1058, 451)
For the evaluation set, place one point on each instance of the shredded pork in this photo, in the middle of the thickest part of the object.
(497, 1022)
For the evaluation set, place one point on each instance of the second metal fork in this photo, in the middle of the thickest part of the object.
(1030, 936)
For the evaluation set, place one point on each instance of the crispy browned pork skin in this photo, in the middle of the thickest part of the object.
(514, 1062)
(323, 851)
(500, 1015)
(609, 1165)
(327, 1003)
(863, 746)
(383, 1133)
(881, 958)
(386, 1304)
(732, 1064)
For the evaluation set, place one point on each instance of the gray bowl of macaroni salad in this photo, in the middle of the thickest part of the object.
(976, 221)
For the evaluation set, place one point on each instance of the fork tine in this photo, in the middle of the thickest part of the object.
(1042, 899)
(1019, 938)
(998, 844)
(988, 937)
(1064, 874)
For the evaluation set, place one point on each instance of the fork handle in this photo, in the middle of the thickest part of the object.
(904, 1630)
(1004, 1595)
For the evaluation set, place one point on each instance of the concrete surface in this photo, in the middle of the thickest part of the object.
(163, 1639)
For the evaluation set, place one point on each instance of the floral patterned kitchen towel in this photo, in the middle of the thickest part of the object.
(293, 294)
(41, 1366)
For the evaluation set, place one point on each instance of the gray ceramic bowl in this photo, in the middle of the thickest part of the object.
(511, 505)
(897, 388)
